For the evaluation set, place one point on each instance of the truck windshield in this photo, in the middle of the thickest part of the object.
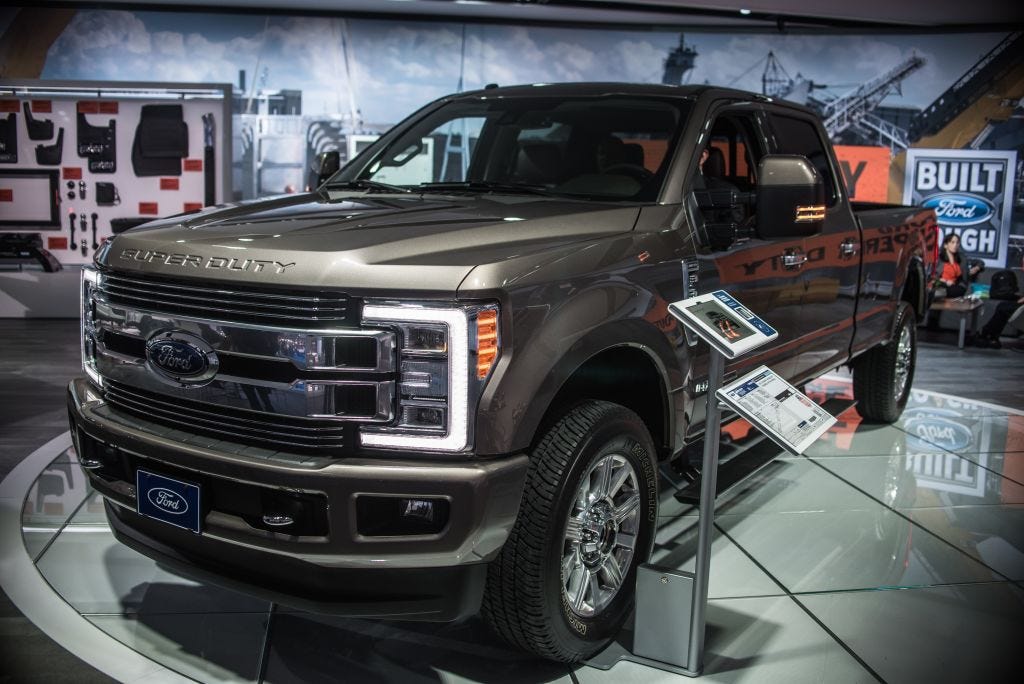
(612, 148)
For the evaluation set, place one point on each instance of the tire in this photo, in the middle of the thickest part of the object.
(536, 595)
(882, 377)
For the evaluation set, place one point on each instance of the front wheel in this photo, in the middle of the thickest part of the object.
(562, 586)
(882, 376)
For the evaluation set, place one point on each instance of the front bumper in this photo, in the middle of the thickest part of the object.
(327, 566)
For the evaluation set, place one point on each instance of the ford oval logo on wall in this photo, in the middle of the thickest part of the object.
(181, 357)
(960, 209)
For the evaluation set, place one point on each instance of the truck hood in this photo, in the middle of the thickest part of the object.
(427, 243)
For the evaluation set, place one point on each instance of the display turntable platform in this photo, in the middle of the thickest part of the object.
(886, 553)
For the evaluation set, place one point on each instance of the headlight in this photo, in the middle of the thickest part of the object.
(91, 279)
(444, 358)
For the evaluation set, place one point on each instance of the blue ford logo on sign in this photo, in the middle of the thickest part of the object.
(167, 500)
(182, 358)
(960, 209)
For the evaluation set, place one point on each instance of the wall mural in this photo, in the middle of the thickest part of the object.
(306, 84)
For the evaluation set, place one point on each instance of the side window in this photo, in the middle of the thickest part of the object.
(800, 136)
(728, 170)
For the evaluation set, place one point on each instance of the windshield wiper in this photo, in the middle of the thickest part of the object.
(486, 186)
(365, 184)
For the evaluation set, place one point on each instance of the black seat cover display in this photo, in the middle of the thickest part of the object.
(161, 140)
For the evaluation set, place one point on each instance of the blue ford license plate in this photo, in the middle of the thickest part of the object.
(167, 500)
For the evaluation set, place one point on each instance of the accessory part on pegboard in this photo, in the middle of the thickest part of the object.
(71, 189)
(81, 189)
(50, 155)
(98, 145)
(38, 129)
(9, 140)
(31, 245)
(85, 248)
(106, 194)
(209, 175)
(161, 140)
(71, 222)
(94, 216)
(119, 225)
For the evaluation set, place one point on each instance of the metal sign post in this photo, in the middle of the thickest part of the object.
(671, 613)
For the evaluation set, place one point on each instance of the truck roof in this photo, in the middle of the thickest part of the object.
(605, 88)
(599, 88)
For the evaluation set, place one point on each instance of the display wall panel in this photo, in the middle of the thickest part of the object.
(82, 160)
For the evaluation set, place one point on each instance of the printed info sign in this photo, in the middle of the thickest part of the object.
(971, 192)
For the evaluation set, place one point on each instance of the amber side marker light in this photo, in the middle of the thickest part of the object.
(814, 212)
(486, 342)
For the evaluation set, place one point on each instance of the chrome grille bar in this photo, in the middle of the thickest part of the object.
(226, 423)
(230, 303)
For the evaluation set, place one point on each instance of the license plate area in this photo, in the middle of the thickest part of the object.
(168, 500)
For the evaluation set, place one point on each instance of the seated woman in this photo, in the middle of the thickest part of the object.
(952, 276)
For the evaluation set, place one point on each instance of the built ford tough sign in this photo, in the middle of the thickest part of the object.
(443, 383)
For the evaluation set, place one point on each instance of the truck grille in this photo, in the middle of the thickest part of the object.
(287, 433)
(235, 303)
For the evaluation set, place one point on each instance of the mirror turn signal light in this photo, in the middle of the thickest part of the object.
(486, 342)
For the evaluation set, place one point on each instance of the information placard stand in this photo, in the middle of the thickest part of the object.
(671, 610)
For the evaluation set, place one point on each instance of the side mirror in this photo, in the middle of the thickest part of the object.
(790, 197)
(325, 165)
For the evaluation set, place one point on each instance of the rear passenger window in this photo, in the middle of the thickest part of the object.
(800, 136)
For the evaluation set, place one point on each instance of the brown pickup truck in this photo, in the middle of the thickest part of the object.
(444, 381)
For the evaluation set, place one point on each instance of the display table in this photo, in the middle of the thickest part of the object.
(964, 307)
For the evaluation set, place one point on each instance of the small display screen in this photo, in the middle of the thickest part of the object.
(725, 325)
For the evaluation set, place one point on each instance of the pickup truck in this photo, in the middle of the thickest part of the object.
(444, 382)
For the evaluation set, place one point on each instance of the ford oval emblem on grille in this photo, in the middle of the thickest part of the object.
(959, 209)
(181, 357)
(167, 500)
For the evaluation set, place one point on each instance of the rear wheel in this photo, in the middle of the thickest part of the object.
(562, 586)
(882, 376)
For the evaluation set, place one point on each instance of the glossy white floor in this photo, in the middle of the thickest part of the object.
(890, 554)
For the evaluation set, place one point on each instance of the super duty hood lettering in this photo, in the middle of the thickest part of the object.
(197, 261)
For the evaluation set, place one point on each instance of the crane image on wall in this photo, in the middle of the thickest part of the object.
(679, 63)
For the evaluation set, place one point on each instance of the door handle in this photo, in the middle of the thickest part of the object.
(848, 248)
(793, 259)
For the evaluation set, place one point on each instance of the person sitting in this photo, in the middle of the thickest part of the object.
(951, 277)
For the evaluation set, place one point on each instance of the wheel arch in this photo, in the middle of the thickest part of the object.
(625, 362)
(914, 291)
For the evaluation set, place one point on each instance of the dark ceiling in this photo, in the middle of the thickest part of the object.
(789, 15)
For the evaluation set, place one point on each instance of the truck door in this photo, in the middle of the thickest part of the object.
(745, 266)
(828, 263)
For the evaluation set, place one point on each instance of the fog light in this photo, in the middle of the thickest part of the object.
(418, 509)
(423, 416)
(401, 516)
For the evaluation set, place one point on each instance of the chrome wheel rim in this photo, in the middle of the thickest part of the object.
(600, 535)
(904, 354)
